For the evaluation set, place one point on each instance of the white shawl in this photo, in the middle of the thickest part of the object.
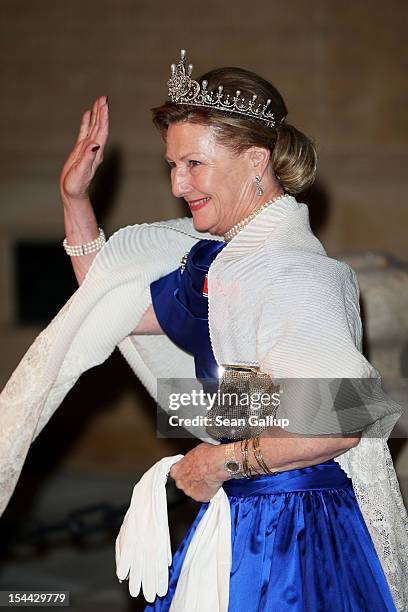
(276, 300)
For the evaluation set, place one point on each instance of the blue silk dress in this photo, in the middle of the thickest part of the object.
(299, 540)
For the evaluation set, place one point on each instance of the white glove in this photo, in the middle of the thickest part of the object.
(203, 583)
(143, 551)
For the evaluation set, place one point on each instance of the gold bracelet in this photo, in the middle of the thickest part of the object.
(244, 453)
(256, 445)
(248, 469)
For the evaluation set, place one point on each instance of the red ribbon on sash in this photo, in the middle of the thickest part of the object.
(205, 287)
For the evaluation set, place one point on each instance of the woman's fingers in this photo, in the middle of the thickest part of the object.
(93, 117)
(93, 132)
(104, 125)
(100, 131)
(96, 126)
(80, 141)
(95, 120)
(92, 154)
(99, 102)
(84, 127)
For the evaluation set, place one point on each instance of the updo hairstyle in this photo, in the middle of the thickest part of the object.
(293, 155)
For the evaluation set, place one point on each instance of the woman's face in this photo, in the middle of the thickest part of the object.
(217, 185)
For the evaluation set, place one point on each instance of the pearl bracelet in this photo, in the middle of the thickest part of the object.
(85, 249)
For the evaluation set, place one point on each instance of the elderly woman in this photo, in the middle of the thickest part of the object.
(255, 299)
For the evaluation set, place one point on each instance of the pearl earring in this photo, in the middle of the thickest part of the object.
(259, 189)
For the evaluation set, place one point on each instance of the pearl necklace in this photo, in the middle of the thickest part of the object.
(241, 224)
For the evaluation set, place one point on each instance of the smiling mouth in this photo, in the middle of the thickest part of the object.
(196, 204)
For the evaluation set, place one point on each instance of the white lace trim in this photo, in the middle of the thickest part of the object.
(375, 484)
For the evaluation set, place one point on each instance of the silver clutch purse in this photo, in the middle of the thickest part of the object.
(246, 404)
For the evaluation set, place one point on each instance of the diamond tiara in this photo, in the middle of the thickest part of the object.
(184, 90)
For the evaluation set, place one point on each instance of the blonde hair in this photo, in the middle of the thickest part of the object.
(293, 155)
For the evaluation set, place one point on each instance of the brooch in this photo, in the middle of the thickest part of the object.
(183, 262)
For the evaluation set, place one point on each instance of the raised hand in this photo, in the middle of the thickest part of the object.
(80, 167)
